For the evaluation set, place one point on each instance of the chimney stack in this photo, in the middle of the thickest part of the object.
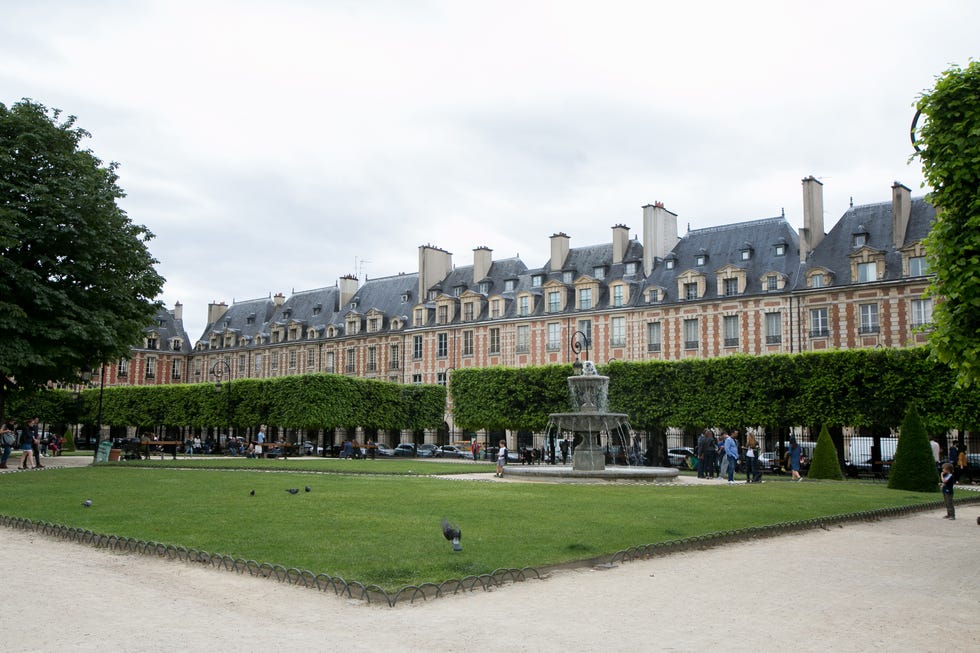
(178, 311)
(215, 311)
(434, 265)
(559, 250)
(812, 231)
(620, 239)
(278, 299)
(347, 285)
(901, 210)
(482, 259)
(659, 234)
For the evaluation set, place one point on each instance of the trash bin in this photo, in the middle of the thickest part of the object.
(114, 454)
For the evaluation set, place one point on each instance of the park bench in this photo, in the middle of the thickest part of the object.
(150, 444)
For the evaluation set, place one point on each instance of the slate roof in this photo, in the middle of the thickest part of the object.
(383, 294)
(246, 318)
(876, 221)
(167, 328)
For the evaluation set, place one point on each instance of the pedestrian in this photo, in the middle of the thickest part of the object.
(475, 449)
(564, 451)
(707, 453)
(722, 456)
(26, 444)
(8, 438)
(31, 427)
(501, 459)
(259, 442)
(948, 481)
(751, 457)
(731, 455)
(961, 463)
(935, 450)
(794, 458)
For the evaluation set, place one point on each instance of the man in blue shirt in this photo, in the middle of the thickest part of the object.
(731, 452)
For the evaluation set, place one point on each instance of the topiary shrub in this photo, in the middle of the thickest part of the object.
(914, 468)
(826, 462)
(68, 442)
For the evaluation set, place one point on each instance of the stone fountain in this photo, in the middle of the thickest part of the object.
(594, 429)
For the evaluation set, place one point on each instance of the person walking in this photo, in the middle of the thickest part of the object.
(751, 457)
(259, 442)
(722, 456)
(8, 438)
(948, 481)
(731, 455)
(794, 458)
(26, 444)
(501, 459)
(31, 428)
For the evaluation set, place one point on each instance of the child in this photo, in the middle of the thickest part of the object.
(949, 480)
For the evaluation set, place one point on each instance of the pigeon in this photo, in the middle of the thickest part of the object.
(252, 493)
(308, 488)
(293, 490)
(452, 534)
(87, 503)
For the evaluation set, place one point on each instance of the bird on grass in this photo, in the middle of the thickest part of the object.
(293, 490)
(308, 488)
(452, 534)
(252, 493)
(87, 503)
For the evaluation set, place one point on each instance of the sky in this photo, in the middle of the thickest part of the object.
(277, 146)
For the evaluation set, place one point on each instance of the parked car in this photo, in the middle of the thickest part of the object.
(679, 456)
(450, 451)
(404, 449)
(427, 450)
(769, 461)
(384, 450)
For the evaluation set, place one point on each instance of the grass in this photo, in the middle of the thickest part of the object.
(385, 529)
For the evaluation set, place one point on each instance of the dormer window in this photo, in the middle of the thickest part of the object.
(669, 263)
(457, 291)
(353, 303)
(286, 314)
(161, 323)
(745, 253)
(151, 343)
(653, 295)
(780, 250)
(599, 272)
(568, 276)
(860, 237)
(508, 285)
(175, 344)
(817, 280)
(700, 259)
(250, 319)
(630, 268)
(484, 287)
(405, 297)
(536, 281)
(433, 294)
(316, 310)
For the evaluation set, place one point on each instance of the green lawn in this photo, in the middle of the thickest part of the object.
(385, 529)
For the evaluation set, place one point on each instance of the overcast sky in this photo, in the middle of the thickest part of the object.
(276, 146)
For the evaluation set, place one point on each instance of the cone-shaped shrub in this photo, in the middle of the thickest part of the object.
(914, 467)
(68, 442)
(825, 463)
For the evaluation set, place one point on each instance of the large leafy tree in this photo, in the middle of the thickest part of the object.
(950, 153)
(77, 281)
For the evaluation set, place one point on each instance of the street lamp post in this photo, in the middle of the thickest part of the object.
(578, 338)
(98, 417)
(219, 370)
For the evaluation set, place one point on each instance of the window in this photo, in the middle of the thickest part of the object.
(730, 327)
(441, 378)
(494, 341)
(457, 291)
(372, 359)
(292, 359)
(816, 280)
(417, 347)
(151, 343)
(618, 336)
(731, 287)
(653, 295)
(869, 318)
(395, 358)
(554, 301)
(691, 333)
(860, 240)
(568, 276)
(780, 250)
(442, 345)
(495, 308)
(921, 312)
(123, 368)
(700, 260)
(918, 267)
(536, 281)
(585, 329)
(433, 294)
(523, 305)
(774, 328)
(175, 344)
(669, 264)
(250, 319)
(175, 369)
(151, 367)
(819, 324)
(585, 298)
(554, 336)
(508, 285)
(373, 325)
(316, 310)
(867, 272)
(772, 282)
(419, 316)
(331, 363)
(443, 314)
(690, 291)
(653, 336)
(258, 365)
(310, 359)
(630, 269)
(523, 339)
(350, 359)
(485, 287)
(405, 297)
(599, 272)
(745, 254)
(467, 343)
(617, 298)
(468, 311)
(417, 379)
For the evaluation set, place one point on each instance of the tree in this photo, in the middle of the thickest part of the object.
(950, 155)
(914, 467)
(826, 462)
(77, 282)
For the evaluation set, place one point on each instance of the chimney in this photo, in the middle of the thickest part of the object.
(434, 265)
(659, 234)
(482, 258)
(178, 311)
(621, 239)
(347, 285)
(278, 299)
(215, 311)
(559, 250)
(812, 231)
(901, 210)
